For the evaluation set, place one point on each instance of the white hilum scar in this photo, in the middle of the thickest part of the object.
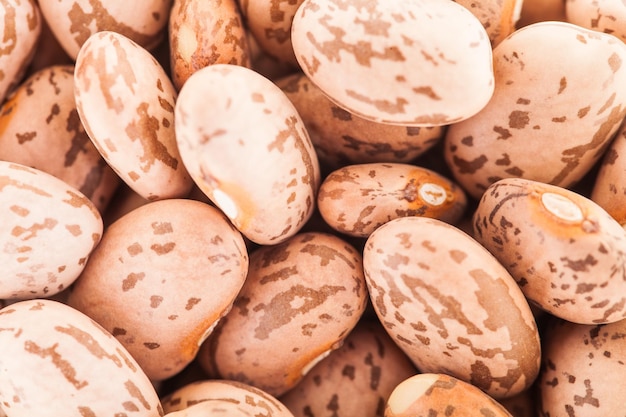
(433, 194)
(562, 207)
(225, 203)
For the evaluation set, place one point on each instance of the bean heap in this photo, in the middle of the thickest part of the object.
(308, 208)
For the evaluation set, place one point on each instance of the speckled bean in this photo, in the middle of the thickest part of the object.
(247, 149)
(21, 27)
(56, 361)
(41, 213)
(451, 306)
(74, 21)
(440, 394)
(566, 253)
(270, 24)
(608, 16)
(256, 401)
(583, 370)
(354, 380)
(126, 101)
(560, 97)
(161, 278)
(609, 185)
(342, 138)
(357, 199)
(417, 63)
(499, 17)
(40, 128)
(203, 33)
(300, 301)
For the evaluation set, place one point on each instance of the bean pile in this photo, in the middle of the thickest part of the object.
(307, 208)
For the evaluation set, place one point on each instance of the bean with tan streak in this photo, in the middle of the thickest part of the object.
(248, 150)
(73, 22)
(300, 301)
(269, 21)
(440, 394)
(342, 138)
(450, 306)
(256, 401)
(203, 33)
(47, 233)
(21, 27)
(40, 128)
(418, 63)
(583, 370)
(126, 101)
(161, 278)
(609, 185)
(560, 97)
(357, 199)
(354, 380)
(58, 362)
(608, 16)
(567, 254)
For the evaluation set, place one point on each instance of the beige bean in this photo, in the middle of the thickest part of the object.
(247, 149)
(172, 264)
(300, 301)
(73, 22)
(126, 101)
(566, 253)
(203, 33)
(549, 120)
(56, 361)
(254, 400)
(357, 199)
(341, 138)
(21, 29)
(47, 232)
(440, 394)
(354, 380)
(40, 128)
(418, 63)
(583, 369)
(451, 306)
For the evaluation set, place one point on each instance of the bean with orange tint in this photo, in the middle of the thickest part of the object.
(300, 301)
(269, 22)
(40, 128)
(451, 306)
(499, 17)
(161, 278)
(440, 394)
(567, 254)
(203, 33)
(248, 150)
(357, 199)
